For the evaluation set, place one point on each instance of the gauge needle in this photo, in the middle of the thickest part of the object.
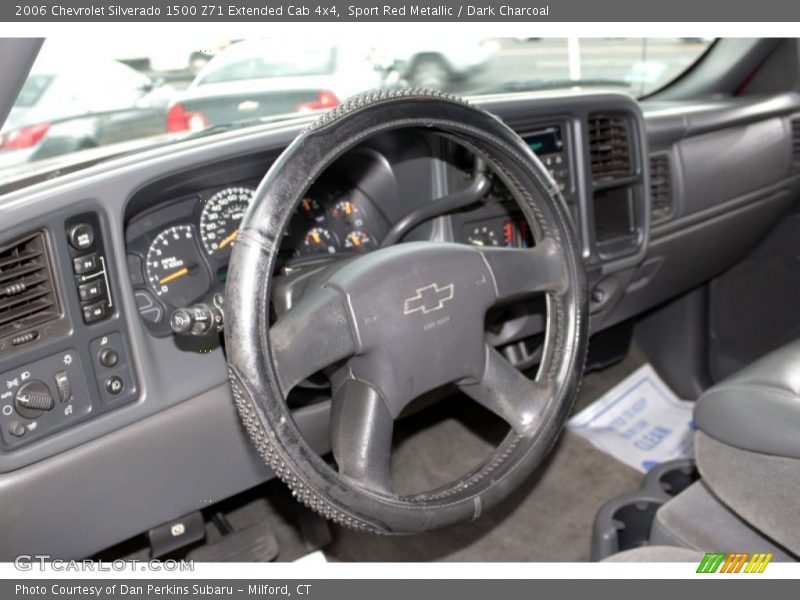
(355, 240)
(173, 276)
(228, 240)
(315, 236)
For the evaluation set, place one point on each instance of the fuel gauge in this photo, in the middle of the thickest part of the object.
(319, 240)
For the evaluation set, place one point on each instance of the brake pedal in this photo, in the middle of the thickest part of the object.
(256, 543)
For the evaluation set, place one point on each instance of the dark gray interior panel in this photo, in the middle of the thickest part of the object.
(754, 306)
(725, 164)
(181, 460)
(690, 256)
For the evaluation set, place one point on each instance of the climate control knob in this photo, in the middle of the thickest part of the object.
(33, 399)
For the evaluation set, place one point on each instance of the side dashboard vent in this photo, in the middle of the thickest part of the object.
(27, 288)
(609, 147)
(796, 143)
(660, 187)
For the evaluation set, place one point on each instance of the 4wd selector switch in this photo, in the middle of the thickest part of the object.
(33, 399)
(81, 236)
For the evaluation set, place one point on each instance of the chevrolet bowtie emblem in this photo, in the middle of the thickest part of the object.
(428, 299)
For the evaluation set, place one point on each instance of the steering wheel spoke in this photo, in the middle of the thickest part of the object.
(508, 393)
(314, 334)
(522, 272)
(361, 435)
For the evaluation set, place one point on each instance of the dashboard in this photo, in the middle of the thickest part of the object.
(96, 387)
(178, 250)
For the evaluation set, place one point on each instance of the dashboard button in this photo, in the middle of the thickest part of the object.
(84, 264)
(91, 290)
(81, 236)
(16, 429)
(108, 357)
(94, 312)
(114, 385)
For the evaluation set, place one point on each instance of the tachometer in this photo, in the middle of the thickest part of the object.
(175, 269)
(222, 214)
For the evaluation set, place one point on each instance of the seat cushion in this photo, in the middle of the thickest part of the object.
(763, 489)
(657, 554)
(758, 409)
(697, 519)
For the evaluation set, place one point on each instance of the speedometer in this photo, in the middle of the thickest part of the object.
(220, 219)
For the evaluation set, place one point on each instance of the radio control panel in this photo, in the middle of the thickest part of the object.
(549, 144)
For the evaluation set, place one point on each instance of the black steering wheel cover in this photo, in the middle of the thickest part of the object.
(255, 388)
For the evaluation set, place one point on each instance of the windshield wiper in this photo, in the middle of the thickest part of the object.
(549, 84)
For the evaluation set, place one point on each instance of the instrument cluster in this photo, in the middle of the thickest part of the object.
(178, 253)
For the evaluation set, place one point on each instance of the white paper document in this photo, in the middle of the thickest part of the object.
(640, 422)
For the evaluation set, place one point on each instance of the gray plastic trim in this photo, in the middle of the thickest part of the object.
(184, 459)
(18, 55)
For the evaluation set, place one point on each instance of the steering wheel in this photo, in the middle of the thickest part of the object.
(401, 321)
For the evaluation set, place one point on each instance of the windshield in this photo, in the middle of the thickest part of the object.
(81, 103)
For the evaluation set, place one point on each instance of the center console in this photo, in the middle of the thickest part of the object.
(596, 161)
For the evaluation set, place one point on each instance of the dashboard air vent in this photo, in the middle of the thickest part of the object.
(796, 143)
(660, 187)
(27, 290)
(609, 147)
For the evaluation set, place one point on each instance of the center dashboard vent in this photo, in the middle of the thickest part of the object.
(609, 147)
(27, 289)
(660, 187)
(796, 143)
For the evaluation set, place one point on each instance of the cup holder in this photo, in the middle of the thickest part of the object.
(672, 477)
(625, 522)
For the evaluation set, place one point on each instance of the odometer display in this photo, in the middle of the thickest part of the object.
(220, 219)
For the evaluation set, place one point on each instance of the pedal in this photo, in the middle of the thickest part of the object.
(256, 543)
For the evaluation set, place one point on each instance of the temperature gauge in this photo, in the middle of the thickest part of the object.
(359, 240)
(348, 213)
